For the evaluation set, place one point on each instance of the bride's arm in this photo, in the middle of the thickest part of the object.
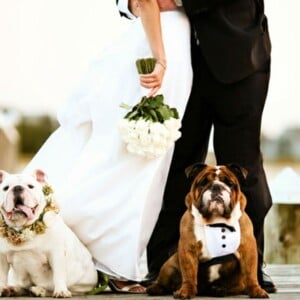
(150, 16)
(149, 13)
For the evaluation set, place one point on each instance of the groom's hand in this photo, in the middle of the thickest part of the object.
(166, 5)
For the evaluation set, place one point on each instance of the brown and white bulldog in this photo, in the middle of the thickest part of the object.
(217, 254)
(39, 254)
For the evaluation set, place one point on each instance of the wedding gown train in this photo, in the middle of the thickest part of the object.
(109, 197)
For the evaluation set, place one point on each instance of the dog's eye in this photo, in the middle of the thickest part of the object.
(30, 186)
(203, 182)
(229, 183)
(5, 188)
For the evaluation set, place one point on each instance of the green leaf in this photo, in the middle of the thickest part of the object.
(175, 113)
(126, 106)
(153, 115)
(131, 115)
(159, 99)
(103, 283)
(164, 111)
(159, 116)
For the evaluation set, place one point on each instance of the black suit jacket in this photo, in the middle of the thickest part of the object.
(232, 36)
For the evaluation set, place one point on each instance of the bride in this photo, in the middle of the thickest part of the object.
(109, 197)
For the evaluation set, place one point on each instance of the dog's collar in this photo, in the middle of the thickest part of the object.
(15, 236)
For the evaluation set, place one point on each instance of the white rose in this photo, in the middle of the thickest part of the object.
(175, 135)
(145, 139)
(158, 128)
(157, 139)
(173, 124)
(142, 126)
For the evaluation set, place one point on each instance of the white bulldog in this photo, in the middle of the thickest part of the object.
(39, 254)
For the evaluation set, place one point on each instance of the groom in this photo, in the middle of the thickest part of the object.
(231, 63)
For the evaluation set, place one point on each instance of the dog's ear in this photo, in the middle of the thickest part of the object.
(40, 176)
(240, 172)
(243, 201)
(2, 175)
(193, 170)
(188, 200)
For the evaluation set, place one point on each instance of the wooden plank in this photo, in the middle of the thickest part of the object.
(286, 277)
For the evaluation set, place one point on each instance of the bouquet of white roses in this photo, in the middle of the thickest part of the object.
(151, 127)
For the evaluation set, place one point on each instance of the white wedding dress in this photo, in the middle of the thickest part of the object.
(109, 197)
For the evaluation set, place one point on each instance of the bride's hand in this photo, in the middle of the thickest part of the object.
(153, 81)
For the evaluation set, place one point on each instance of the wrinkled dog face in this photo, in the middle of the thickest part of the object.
(215, 191)
(21, 198)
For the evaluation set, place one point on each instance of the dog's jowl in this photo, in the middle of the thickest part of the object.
(39, 254)
(217, 253)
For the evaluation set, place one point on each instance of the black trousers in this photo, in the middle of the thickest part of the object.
(235, 112)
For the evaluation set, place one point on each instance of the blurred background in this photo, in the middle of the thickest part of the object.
(47, 45)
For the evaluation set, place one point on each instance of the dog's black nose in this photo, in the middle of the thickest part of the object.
(18, 189)
(215, 188)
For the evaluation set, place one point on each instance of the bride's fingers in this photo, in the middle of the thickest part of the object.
(153, 80)
(153, 92)
(148, 79)
(151, 85)
(156, 75)
(150, 82)
(153, 88)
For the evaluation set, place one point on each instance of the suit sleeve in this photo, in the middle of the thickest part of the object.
(193, 7)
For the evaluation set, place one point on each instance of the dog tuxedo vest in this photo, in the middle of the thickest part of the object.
(222, 239)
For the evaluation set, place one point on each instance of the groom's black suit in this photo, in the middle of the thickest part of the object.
(231, 63)
(232, 35)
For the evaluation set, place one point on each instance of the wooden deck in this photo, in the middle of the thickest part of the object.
(286, 278)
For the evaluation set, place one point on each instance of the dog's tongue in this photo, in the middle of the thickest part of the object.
(26, 210)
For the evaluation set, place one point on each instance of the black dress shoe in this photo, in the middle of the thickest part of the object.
(266, 283)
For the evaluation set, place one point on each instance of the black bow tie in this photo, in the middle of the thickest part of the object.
(231, 228)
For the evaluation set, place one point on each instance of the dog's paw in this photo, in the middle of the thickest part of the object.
(156, 290)
(38, 291)
(13, 291)
(257, 292)
(62, 294)
(185, 292)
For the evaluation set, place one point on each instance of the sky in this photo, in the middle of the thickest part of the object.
(46, 46)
